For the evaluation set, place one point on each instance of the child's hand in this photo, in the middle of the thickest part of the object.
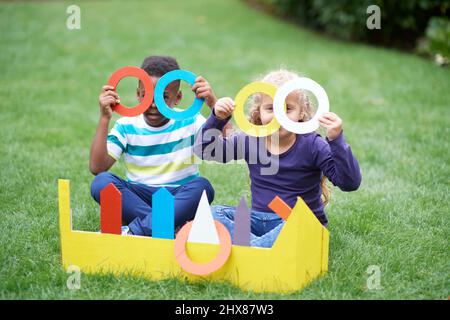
(203, 89)
(107, 99)
(332, 123)
(223, 108)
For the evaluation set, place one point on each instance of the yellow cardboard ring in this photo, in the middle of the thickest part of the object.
(239, 115)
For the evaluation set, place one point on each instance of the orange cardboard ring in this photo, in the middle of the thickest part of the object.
(202, 269)
(147, 82)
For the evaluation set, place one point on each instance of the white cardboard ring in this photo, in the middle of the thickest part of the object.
(283, 92)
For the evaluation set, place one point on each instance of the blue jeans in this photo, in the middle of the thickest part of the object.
(137, 200)
(264, 226)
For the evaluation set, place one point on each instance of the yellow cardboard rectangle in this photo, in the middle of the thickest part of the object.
(299, 254)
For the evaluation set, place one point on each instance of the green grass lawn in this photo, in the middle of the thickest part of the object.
(394, 106)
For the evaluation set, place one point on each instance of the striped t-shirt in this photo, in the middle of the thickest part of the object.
(156, 155)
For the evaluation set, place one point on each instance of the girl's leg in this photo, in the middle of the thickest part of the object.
(260, 221)
(272, 221)
(225, 215)
(267, 240)
(265, 228)
(263, 222)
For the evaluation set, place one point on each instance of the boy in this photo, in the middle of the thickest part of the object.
(157, 152)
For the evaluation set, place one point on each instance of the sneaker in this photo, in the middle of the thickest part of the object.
(126, 231)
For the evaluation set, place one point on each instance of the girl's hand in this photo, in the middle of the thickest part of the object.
(202, 89)
(223, 108)
(332, 123)
(107, 99)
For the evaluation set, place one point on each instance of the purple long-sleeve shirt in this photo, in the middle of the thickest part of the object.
(300, 168)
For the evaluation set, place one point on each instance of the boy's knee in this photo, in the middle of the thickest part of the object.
(100, 181)
(204, 184)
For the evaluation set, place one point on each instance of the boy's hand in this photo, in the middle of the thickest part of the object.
(107, 99)
(223, 108)
(202, 89)
(332, 123)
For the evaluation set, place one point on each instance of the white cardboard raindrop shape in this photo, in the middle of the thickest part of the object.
(203, 228)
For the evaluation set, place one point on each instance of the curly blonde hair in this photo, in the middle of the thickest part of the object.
(278, 78)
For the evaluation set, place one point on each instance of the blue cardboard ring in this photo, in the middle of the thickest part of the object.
(163, 108)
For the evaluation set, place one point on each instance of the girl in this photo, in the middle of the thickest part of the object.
(302, 160)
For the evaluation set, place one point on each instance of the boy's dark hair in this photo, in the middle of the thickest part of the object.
(158, 66)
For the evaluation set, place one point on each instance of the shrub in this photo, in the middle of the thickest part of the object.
(438, 36)
(402, 22)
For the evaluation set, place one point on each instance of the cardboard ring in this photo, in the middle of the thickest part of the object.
(288, 87)
(131, 71)
(239, 115)
(163, 108)
(202, 269)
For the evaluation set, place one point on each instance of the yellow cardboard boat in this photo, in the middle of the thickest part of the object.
(299, 255)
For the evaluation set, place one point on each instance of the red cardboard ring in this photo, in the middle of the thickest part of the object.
(147, 82)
